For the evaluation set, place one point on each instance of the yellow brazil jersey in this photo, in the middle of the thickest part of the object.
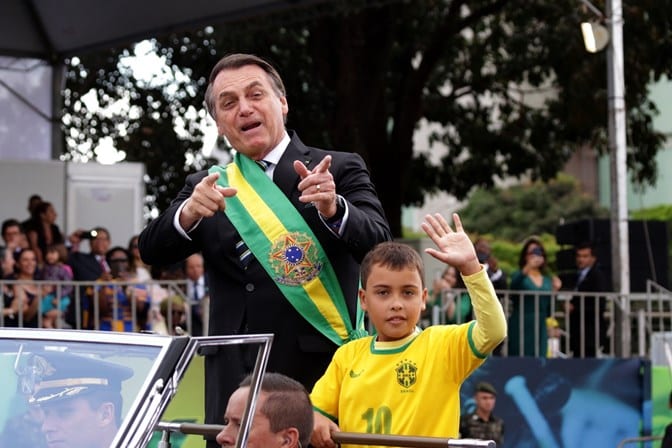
(409, 387)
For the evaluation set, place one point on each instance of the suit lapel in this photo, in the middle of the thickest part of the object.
(284, 175)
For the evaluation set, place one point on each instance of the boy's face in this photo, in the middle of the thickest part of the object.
(393, 300)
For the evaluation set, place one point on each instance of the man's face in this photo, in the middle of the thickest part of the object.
(485, 401)
(73, 423)
(260, 435)
(101, 243)
(11, 236)
(584, 258)
(194, 267)
(248, 111)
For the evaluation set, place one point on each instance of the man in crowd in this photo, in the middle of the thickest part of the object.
(282, 230)
(587, 324)
(283, 415)
(87, 267)
(15, 240)
(482, 423)
(197, 292)
(485, 256)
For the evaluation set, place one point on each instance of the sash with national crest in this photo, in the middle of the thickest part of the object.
(287, 248)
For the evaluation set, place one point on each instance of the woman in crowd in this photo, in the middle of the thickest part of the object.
(531, 309)
(26, 294)
(136, 265)
(43, 231)
(458, 307)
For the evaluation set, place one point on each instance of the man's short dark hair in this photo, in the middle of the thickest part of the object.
(392, 255)
(287, 404)
(7, 223)
(486, 387)
(586, 245)
(238, 60)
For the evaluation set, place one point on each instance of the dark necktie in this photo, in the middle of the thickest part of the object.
(242, 250)
(196, 296)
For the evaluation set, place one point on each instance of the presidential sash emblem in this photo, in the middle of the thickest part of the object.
(294, 259)
(407, 373)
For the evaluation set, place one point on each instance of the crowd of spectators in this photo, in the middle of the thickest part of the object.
(48, 282)
(120, 292)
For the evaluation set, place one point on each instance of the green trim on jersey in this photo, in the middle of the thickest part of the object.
(472, 343)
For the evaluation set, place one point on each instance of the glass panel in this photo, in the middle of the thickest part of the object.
(69, 393)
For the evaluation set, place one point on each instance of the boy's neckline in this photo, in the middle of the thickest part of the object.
(388, 345)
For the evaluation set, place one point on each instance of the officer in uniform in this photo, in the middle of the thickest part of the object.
(79, 397)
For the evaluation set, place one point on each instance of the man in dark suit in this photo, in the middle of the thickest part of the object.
(284, 255)
(197, 292)
(586, 311)
(86, 267)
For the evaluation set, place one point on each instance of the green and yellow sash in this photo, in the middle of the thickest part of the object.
(287, 248)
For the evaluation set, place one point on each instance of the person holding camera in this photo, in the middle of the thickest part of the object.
(86, 267)
(123, 304)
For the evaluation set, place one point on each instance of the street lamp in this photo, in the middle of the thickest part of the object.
(595, 36)
(620, 244)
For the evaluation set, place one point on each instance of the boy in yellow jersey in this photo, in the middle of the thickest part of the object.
(403, 380)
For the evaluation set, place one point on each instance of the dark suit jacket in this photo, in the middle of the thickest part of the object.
(593, 282)
(85, 267)
(247, 300)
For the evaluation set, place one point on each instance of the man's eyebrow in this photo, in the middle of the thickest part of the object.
(251, 85)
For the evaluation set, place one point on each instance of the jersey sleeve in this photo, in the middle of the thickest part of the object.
(327, 390)
(490, 327)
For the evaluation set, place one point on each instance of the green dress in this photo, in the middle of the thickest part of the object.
(525, 308)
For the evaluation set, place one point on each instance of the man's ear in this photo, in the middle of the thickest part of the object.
(290, 437)
(106, 413)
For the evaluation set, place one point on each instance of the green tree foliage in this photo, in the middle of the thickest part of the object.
(532, 208)
(507, 85)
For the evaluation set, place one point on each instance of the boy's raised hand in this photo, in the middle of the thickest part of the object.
(453, 246)
(322, 429)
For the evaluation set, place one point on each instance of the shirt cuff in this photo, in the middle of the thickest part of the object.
(178, 227)
(337, 222)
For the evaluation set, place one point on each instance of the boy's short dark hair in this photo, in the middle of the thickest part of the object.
(392, 255)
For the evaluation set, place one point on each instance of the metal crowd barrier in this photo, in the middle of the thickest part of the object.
(91, 292)
(632, 320)
(339, 437)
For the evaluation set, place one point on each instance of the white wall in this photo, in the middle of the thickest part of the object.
(85, 195)
(25, 109)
